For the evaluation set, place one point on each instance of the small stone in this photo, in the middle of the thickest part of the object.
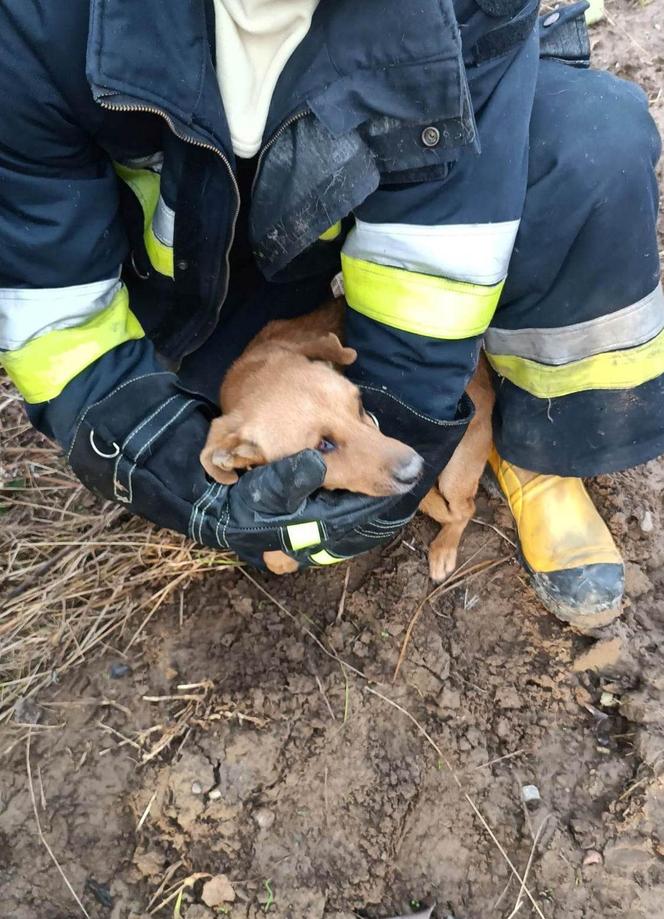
(592, 857)
(609, 656)
(449, 700)
(196, 911)
(531, 797)
(27, 712)
(647, 522)
(119, 670)
(264, 818)
(637, 582)
(508, 698)
(150, 863)
(214, 795)
(218, 891)
(196, 788)
(608, 700)
(627, 854)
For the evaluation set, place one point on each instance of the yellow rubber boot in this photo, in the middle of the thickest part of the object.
(574, 564)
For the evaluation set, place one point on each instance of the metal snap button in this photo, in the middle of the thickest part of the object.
(431, 137)
(552, 19)
(182, 265)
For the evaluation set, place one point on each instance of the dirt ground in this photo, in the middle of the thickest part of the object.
(286, 768)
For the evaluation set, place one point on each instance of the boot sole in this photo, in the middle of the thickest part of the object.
(582, 622)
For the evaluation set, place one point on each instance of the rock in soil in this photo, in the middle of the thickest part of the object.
(217, 891)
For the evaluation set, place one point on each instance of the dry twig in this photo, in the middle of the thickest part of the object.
(41, 833)
(454, 581)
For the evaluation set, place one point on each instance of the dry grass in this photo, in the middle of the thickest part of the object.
(76, 574)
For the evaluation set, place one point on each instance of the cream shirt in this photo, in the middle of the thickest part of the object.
(255, 39)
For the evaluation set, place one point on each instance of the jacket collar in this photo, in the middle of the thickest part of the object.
(156, 55)
(360, 62)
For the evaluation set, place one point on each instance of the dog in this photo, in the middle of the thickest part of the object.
(285, 393)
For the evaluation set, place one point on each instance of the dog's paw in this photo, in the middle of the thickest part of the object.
(280, 563)
(442, 562)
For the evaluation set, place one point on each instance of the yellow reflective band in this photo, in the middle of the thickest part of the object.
(160, 255)
(42, 368)
(324, 558)
(419, 303)
(333, 233)
(611, 370)
(145, 185)
(303, 535)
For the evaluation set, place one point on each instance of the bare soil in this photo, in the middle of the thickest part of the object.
(283, 769)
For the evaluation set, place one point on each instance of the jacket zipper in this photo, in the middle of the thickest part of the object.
(197, 143)
(275, 137)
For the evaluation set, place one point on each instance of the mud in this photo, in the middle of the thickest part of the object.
(288, 777)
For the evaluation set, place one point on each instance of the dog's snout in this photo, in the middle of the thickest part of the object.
(408, 471)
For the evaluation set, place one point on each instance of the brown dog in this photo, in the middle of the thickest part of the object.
(284, 395)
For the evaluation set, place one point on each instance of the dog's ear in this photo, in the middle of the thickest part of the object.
(227, 450)
(327, 348)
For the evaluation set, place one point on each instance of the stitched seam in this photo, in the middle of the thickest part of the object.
(143, 376)
(225, 528)
(361, 532)
(437, 422)
(151, 441)
(145, 421)
(203, 507)
(213, 495)
(222, 519)
(195, 509)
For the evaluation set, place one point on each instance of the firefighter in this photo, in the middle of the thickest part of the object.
(172, 176)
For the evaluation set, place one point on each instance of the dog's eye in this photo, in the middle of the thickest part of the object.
(326, 446)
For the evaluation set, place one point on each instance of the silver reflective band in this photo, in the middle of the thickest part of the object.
(163, 223)
(153, 162)
(478, 253)
(27, 314)
(626, 328)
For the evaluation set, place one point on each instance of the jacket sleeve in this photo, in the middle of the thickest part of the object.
(425, 264)
(63, 306)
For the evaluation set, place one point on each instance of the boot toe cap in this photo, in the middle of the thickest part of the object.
(587, 597)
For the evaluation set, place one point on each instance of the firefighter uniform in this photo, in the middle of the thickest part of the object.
(460, 165)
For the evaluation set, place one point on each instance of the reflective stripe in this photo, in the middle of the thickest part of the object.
(42, 368)
(158, 218)
(326, 558)
(419, 303)
(333, 233)
(26, 314)
(163, 223)
(478, 253)
(303, 535)
(610, 370)
(626, 328)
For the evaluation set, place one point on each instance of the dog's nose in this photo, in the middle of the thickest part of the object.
(408, 472)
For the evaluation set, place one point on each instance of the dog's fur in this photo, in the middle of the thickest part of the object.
(284, 394)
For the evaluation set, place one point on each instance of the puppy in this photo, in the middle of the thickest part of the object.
(284, 394)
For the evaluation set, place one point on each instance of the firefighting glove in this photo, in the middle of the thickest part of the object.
(140, 446)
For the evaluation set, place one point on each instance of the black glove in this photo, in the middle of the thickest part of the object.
(140, 446)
